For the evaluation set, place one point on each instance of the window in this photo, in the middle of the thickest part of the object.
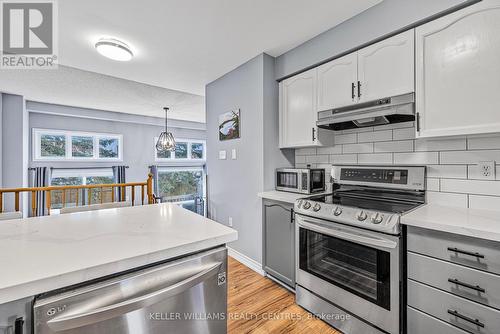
(84, 176)
(71, 145)
(183, 185)
(186, 150)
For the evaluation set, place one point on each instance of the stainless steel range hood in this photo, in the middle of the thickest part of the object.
(394, 109)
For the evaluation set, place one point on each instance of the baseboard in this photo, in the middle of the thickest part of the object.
(250, 263)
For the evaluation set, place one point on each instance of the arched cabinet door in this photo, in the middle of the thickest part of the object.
(298, 110)
(458, 72)
(387, 68)
(337, 82)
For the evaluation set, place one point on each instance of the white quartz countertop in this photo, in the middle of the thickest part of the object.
(46, 253)
(483, 224)
(283, 196)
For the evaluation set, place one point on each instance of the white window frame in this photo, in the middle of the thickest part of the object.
(183, 161)
(84, 173)
(38, 133)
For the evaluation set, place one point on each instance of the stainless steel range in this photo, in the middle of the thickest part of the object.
(349, 249)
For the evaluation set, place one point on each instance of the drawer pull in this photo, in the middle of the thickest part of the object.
(456, 250)
(463, 317)
(465, 285)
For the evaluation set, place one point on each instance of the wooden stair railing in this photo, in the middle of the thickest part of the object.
(146, 188)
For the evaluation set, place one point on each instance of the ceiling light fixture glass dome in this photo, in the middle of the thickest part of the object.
(114, 49)
(166, 141)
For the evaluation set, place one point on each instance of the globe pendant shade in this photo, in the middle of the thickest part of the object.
(166, 142)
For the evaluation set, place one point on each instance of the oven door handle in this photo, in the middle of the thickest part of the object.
(349, 236)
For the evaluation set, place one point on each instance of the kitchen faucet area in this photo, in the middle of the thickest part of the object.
(249, 167)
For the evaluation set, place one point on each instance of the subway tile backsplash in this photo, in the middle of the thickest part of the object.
(453, 177)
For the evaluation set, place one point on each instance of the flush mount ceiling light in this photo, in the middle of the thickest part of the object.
(166, 141)
(114, 49)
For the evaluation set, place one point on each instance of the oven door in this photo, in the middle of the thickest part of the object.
(355, 269)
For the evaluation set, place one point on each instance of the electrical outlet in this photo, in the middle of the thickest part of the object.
(230, 221)
(486, 170)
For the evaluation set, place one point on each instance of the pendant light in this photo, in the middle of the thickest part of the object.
(166, 142)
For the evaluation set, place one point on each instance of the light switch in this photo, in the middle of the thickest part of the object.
(233, 154)
(222, 155)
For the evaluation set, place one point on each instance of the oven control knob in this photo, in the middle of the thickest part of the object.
(306, 205)
(362, 216)
(337, 211)
(377, 218)
(316, 207)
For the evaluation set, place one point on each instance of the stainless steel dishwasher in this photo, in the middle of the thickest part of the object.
(188, 295)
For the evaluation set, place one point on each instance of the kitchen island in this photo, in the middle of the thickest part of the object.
(43, 254)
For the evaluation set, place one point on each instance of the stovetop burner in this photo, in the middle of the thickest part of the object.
(360, 201)
(372, 198)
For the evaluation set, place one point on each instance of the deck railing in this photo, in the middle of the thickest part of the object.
(91, 190)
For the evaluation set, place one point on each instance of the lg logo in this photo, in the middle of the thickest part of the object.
(27, 27)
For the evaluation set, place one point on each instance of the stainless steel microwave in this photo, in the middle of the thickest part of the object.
(304, 181)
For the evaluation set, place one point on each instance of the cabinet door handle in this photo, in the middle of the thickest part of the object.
(313, 134)
(292, 216)
(459, 251)
(463, 317)
(353, 87)
(18, 325)
(359, 89)
(466, 285)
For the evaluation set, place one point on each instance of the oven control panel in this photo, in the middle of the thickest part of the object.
(380, 221)
(391, 176)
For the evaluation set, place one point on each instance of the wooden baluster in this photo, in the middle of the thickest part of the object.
(49, 201)
(133, 195)
(112, 194)
(33, 203)
(63, 198)
(142, 195)
(150, 189)
(1, 202)
(76, 199)
(90, 196)
(102, 196)
(17, 201)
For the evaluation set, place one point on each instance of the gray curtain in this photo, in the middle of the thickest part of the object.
(119, 176)
(40, 177)
(154, 170)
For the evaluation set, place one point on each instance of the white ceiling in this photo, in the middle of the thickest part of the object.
(185, 44)
(179, 46)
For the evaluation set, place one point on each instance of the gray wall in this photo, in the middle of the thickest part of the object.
(372, 24)
(234, 184)
(15, 139)
(138, 134)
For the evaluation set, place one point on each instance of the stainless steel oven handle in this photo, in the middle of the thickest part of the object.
(349, 236)
(87, 317)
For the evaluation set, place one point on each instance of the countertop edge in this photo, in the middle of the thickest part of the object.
(25, 290)
(463, 228)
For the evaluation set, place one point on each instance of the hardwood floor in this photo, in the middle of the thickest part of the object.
(260, 306)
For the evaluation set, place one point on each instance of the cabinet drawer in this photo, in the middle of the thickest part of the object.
(419, 323)
(479, 286)
(470, 316)
(472, 252)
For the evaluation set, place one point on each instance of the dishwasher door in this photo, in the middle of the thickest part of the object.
(185, 296)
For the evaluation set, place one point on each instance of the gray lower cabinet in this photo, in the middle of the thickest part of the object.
(453, 283)
(279, 241)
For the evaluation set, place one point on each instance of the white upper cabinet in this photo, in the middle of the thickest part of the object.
(386, 68)
(298, 114)
(458, 72)
(337, 82)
